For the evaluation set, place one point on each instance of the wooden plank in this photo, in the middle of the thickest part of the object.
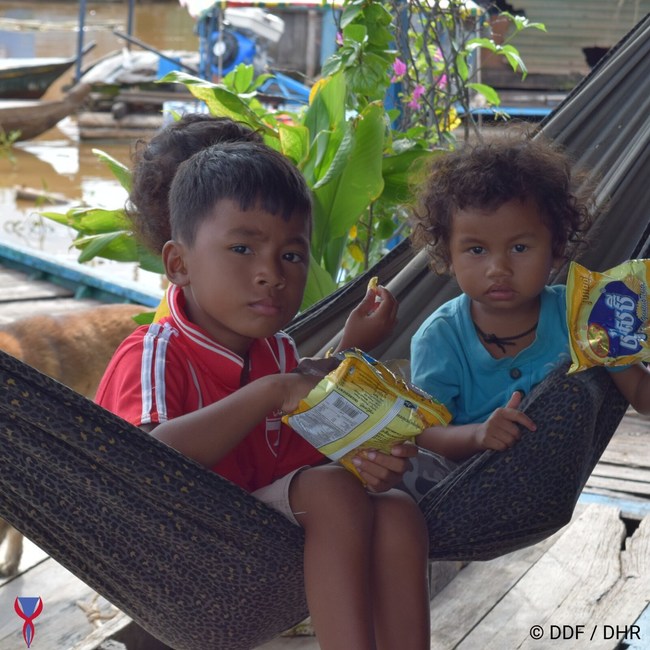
(116, 133)
(632, 507)
(105, 631)
(291, 643)
(625, 487)
(634, 642)
(606, 608)
(632, 416)
(105, 120)
(31, 557)
(63, 622)
(17, 286)
(463, 604)
(588, 549)
(12, 311)
(470, 595)
(623, 473)
(628, 447)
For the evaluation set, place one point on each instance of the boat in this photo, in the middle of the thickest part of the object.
(23, 78)
(125, 100)
(30, 118)
(128, 101)
(29, 78)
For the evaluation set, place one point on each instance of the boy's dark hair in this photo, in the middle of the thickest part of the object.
(249, 173)
(485, 176)
(155, 164)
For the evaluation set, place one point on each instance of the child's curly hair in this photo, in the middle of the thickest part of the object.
(487, 175)
(155, 163)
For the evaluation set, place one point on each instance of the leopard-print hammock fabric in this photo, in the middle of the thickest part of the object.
(201, 564)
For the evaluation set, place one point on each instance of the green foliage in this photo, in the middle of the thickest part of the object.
(6, 143)
(360, 159)
(107, 234)
(441, 44)
(366, 53)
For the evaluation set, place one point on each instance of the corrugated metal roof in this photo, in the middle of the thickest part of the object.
(571, 26)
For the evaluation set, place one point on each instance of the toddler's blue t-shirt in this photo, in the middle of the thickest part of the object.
(449, 361)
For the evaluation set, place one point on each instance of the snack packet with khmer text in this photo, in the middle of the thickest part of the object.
(607, 315)
(362, 405)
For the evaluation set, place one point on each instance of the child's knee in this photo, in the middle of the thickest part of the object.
(329, 492)
(401, 523)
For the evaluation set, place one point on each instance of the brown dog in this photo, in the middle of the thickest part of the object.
(73, 348)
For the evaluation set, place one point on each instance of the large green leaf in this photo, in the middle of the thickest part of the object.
(370, 77)
(319, 285)
(150, 261)
(91, 220)
(294, 142)
(398, 171)
(490, 94)
(220, 101)
(326, 111)
(121, 172)
(334, 254)
(343, 198)
(322, 152)
(118, 246)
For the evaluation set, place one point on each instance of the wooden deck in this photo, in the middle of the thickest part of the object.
(586, 587)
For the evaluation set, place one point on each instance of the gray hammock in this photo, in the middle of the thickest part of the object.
(198, 562)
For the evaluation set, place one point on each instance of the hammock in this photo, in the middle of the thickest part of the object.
(199, 563)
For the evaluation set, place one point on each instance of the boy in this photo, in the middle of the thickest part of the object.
(213, 378)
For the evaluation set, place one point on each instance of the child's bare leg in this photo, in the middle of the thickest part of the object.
(365, 563)
(400, 574)
(337, 515)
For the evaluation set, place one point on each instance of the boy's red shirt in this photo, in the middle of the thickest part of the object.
(171, 368)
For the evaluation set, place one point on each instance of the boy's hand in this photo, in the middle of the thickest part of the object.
(381, 471)
(501, 430)
(371, 321)
(295, 386)
(299, 382)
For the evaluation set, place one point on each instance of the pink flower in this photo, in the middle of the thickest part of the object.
(399, 70)
(339, 38)
(414, 103)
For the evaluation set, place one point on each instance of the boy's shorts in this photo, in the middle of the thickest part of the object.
(276, 495)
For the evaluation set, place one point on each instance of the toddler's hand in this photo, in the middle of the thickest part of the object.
(371, 321)
(501, 430)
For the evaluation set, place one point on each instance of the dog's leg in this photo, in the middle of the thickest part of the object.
(14, 549)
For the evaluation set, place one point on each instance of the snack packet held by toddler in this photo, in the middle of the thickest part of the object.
(607, 315)
(362, 405)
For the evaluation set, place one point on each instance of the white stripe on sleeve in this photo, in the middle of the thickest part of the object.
(159, 371)
(145, 371)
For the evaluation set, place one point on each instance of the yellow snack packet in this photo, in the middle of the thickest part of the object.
(607, 315)
(361, 405)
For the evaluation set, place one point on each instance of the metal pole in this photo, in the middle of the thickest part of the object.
(80, 39)
(129, 24)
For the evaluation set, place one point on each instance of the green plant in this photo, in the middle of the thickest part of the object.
(347, 158)
(6, 143)
(439, 68)
(107, 233)
(359, 158)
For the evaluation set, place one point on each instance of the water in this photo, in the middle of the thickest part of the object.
(57, 161)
